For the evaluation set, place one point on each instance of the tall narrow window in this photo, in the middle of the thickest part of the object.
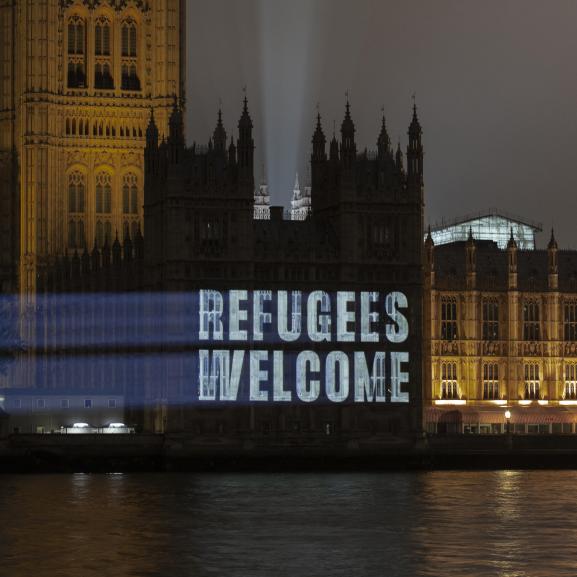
(449, 383)
(76, 31)
(130, 194)
(491, 381)
(103, 54)
(531, 321)
(570, 381)
(532, 381)
(448, 318)
(76, 209)
(103, 193)
(570, 321)
(129, 47)
(102, 37)
(490, 320)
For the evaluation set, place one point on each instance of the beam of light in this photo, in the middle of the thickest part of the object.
(286, 38)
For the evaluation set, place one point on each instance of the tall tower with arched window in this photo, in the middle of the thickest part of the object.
(78, 79)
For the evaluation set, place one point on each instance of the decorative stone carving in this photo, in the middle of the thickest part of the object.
(118, 5)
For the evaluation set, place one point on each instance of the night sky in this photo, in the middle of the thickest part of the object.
(495, 84)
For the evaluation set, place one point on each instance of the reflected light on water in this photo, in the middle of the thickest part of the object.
(504, 524)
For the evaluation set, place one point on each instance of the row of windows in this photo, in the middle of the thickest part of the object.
(77, 193)
(80, 127)
(103, 75)
(102, 37)
(532, 381)
(63, 403)
(490, 320)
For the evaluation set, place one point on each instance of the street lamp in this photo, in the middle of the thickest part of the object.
(508, 419)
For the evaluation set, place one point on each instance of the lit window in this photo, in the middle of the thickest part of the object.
(531, 324)
(532, 381)
(76, 53)
(570, 381)
(491, 381)
(103, 193)
(76, 193)
(130, 194)
(570, 321)
(448, 318)
(129, 38)
(449, 383)
(490, 320)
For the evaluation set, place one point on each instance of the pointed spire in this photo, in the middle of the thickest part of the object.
(139, 244)
(152, 130)
(348, 126)
(512, 244)
(429, 240)
(116, 250)
(95, 256)
(297, 184)
(552, 242)
(319, 140)
(399, 158)
(384, 142)
(470, 239)
(415, 126)
(219, 136)
(245, 119)
(348, 147)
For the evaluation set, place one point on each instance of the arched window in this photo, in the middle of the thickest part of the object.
(76, 36)
(76, 193)
(129, 42)
(76, 52)
(130, 194)
(103, 193)
(130, 79)
(102, 37)
(103, 79)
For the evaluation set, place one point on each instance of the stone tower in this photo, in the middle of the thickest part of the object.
(78, 79)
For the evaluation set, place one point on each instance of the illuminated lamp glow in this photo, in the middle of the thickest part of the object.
(117, 426)
(81, 426)
(450, 402)
(525, 403)
(507, 415)
(543, 402)
(567, 403)
(499, 403)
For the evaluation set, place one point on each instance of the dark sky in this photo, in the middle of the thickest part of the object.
(495, 84)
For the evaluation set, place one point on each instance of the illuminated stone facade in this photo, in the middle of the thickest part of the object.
(77, 81)
(500, 333)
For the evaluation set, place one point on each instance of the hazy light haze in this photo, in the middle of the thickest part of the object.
(495, 86)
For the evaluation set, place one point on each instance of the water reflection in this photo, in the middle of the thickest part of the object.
(506, 524)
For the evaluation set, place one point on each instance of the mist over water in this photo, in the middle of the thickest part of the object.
(502, 524)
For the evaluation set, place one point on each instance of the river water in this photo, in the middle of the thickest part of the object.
(505, 523)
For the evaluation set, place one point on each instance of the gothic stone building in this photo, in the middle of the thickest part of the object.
(501, 335)
(77, 81)
(364, 233)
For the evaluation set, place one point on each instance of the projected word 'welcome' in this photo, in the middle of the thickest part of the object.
(308, 368)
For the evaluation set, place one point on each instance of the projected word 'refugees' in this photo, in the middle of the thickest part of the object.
(360, 369)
